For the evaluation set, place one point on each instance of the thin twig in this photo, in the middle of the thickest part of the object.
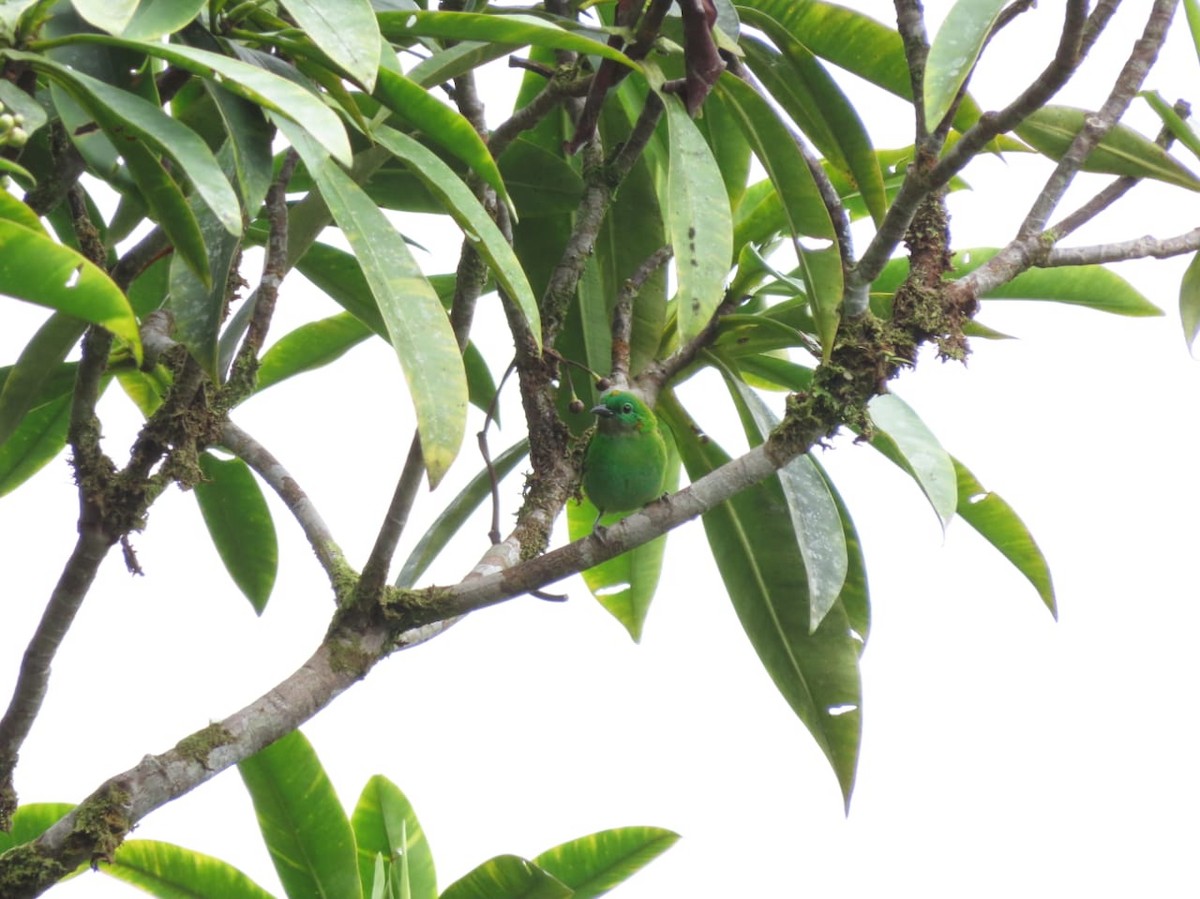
(910, 23)
(622, 317)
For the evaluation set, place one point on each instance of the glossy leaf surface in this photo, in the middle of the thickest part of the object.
(593, 865)
(386, 826)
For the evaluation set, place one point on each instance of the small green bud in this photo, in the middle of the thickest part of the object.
(6, 122)
(17, 137)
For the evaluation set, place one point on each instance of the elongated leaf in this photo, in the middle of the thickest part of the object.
(386, 826)
(155, 18)
(997, 523)
(698, 220)
(1093, 286)
(815, 102)
(760, 563)
(517, 30)
(310, 346)
(815, 518)
(39, 437)
(198, 304)
(30, 821)
(127, 117)
(36, 269)
(824, 279)
(624, 585)
(344, 29)
(465, 209)
(907, 441)
(249, 142)
(444, 125)
(30, 380)
(240, 525)
(776, 149)
(507, 877)
(448, 524)
(1189, 302)
(417, 325)
(164, 869)
(446, 65)
(1183, 132)
(302, 822)
(541, 182)
(1051, 129)
(855, 597)
(257, 85)
(593, 865)
(954, 51)
(1192, 8)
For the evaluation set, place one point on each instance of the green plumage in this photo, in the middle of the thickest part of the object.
(627, 458)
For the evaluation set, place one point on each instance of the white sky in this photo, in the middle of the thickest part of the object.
(1002, 753)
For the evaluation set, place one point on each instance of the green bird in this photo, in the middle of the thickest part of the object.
(626, 459)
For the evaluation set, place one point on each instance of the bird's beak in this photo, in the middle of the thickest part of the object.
(602, 411)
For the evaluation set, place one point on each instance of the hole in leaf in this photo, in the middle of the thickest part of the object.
(74, 277)
(978, 497)
(838, 710)
(613, 589)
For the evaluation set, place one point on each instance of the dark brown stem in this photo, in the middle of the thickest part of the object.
(622, 318)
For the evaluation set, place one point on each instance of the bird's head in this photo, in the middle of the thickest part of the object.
(621, 410)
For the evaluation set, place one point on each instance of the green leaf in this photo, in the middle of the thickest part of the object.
(30, 821)
(698, 220)
(954, 51)
(507, 877)
(815, 102)
(18, 213)
(814, 516)
(164, 869)
(302, 822)
(906, 440)
(199, 304)
(755, 550)
(1051, 130)
(1093, 286)
(824, 279)
(449, 523)
(250, 82)
(36, 269)
(1189, 302)
(240, 525)
(249, 136)
(417, 325)
(1175, 123)
(446, 65)
(310, 346)
(31, 379)
(625, 584)
(40, 437)
(155, 18)
(386, 826)
(540, 182)
(1192, 8)
(346, 30)
(999, 525)
(465, 209)
(776, 149)
(515, 29)
(107, 15)
(593, 865)
(442, 124)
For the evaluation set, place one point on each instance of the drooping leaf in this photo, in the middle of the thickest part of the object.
(442, 124)
(386, 826)
(36, 269)
(263, 88)
(698, 220)
(1192, 10)
(593, 865)
(760, 563)
(1189, 302)
(417, 325)
(344, 29)
(814, 516)
(816, 103)
(507, 877)
(164, 869)
(465, 209)
(39, 437)
(1051, 130)
(906, 440)
(997, 523)
(824, 279)
(302, 822)
(30, 821)
(240, 525)
(953, 53)
(30, 381)
(449, 523)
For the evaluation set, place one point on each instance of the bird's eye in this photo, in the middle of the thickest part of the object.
(627, 408)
